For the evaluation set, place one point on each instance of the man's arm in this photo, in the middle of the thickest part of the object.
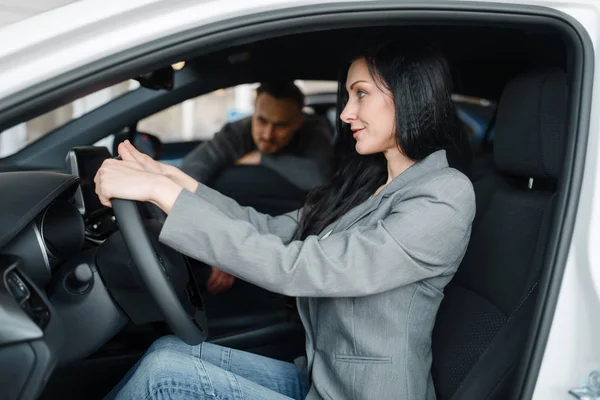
(229, 144)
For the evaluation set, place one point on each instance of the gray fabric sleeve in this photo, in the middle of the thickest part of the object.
(228, 145)
(424, 236)
(284, 226)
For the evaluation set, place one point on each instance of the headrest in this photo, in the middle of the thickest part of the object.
(531, 125)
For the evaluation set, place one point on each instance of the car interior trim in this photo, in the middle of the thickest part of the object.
(43, 247)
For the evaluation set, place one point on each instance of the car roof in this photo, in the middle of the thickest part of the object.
(48, 44)
(63, 39)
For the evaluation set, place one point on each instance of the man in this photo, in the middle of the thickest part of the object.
(278, 136)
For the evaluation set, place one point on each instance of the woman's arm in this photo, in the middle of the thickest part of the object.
(425, 236)
(283, 226)
(169, 180)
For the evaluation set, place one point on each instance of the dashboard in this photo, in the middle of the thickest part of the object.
(68, 282)
(38, 222)
(31, 331)
(54, 305)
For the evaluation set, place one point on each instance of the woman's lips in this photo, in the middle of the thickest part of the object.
(357, 132)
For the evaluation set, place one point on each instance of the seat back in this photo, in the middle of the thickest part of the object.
(483, 321)
(259, 187)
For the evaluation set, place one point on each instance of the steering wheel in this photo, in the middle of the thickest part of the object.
(153, 267)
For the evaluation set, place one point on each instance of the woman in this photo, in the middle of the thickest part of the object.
(368, 256)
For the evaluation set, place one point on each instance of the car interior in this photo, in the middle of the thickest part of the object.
(77, 313)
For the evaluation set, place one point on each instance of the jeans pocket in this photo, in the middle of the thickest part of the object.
(343, 358)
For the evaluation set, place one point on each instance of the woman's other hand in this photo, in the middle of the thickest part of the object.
(148, 164)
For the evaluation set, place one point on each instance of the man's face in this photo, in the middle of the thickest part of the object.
(274, 122)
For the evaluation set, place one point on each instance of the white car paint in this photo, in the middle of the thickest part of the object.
(87, 31)
(15, 10)
(84, 32)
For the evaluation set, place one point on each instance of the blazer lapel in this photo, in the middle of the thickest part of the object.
(432, 162)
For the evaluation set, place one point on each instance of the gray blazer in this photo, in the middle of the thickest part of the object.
(368, 286)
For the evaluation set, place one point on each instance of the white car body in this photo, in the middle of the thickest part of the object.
(42, 47)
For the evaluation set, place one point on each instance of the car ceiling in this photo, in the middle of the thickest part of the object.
(482, 59)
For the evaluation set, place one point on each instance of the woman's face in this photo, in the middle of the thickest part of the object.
(370, 111)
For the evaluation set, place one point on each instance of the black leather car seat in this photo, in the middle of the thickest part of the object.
(485, 316)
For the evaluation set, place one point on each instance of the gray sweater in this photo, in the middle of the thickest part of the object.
(306, 161)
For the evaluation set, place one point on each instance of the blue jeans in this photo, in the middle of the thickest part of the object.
(171, 369)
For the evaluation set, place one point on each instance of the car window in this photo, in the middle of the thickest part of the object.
(16, 138)
(476, 114)
(201, 117)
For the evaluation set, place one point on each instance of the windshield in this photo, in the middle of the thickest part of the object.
(16, 138)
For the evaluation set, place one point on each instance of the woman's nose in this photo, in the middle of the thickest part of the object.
(348, 113)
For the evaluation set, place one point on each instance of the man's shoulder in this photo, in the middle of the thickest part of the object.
(242, 125)
(239, 131)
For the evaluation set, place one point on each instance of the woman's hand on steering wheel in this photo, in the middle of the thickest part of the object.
(129, 153)
(127, 180)
(118, 184)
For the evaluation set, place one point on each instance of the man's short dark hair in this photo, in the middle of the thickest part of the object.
(282, 90)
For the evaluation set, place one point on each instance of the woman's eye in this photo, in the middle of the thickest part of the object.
(360, 94)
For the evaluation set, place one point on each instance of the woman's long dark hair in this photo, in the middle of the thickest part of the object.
(418, 77)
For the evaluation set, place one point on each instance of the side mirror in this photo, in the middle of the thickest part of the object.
(163, 78)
